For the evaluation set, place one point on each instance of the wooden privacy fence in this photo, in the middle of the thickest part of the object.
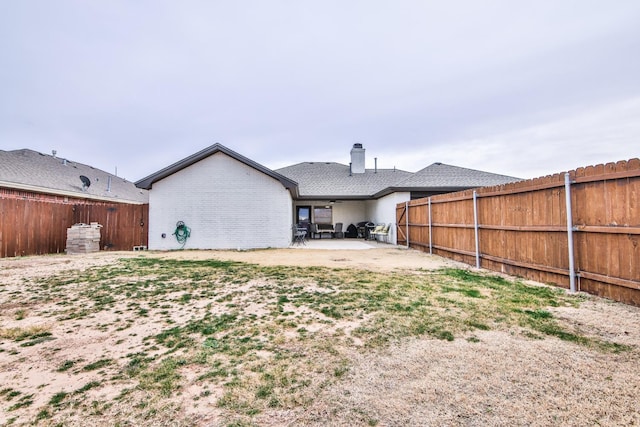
(35, 224)
(578, 230)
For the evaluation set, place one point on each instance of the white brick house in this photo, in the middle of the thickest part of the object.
(227, 201)
(231, 202)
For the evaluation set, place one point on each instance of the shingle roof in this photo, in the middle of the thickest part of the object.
(33, 171)
(329, 179)
(332, 180)
(440, 175)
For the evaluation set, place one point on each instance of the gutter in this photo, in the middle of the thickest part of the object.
(325, 197)
(389, 190)
(382, 193)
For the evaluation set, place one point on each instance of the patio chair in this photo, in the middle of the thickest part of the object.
(337, 232)
(313, 231)
(299, 235)
(384, 233)
(373, 234)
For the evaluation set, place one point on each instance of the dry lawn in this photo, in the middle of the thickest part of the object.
(387, 337)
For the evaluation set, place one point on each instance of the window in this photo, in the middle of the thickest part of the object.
(304, 214)
(322, 215)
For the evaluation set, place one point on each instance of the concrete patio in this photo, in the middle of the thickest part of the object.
(341, 244)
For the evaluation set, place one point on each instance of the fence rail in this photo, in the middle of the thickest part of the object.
(36, 224)
(525, 229)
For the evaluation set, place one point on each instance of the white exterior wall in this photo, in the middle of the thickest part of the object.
(383, 210)
(227, 205)
(348, 212)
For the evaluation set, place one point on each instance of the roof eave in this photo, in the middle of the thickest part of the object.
(389, 190)
(75, 195)
(147, 182)
(329, 197)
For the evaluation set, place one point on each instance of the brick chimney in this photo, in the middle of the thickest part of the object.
(357, 159)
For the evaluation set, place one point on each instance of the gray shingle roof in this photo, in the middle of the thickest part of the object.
(33, 171)
(440, 175)
(329, 179)
(332, 180)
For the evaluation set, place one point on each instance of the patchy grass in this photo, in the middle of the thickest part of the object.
(66, 365)
(22, 401)
(57, 398)
(98, 364)
(26, 333)
(263, 338)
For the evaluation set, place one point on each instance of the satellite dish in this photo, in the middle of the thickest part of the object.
(86, 182)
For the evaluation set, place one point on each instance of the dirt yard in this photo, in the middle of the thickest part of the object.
(63, 352)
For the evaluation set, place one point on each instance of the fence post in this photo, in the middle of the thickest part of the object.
(475, 226)
(430, 239)
(572, 268)
(406, 209)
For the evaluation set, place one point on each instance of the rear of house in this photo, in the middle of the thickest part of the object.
(331, 193)
(226, 200)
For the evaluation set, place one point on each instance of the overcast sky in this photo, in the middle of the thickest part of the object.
(522, 88)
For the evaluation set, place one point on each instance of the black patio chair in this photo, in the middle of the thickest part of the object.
(337, 232)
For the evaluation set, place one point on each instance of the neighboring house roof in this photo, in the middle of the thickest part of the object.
(30, 170)
(334, 180)
(147, 182)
